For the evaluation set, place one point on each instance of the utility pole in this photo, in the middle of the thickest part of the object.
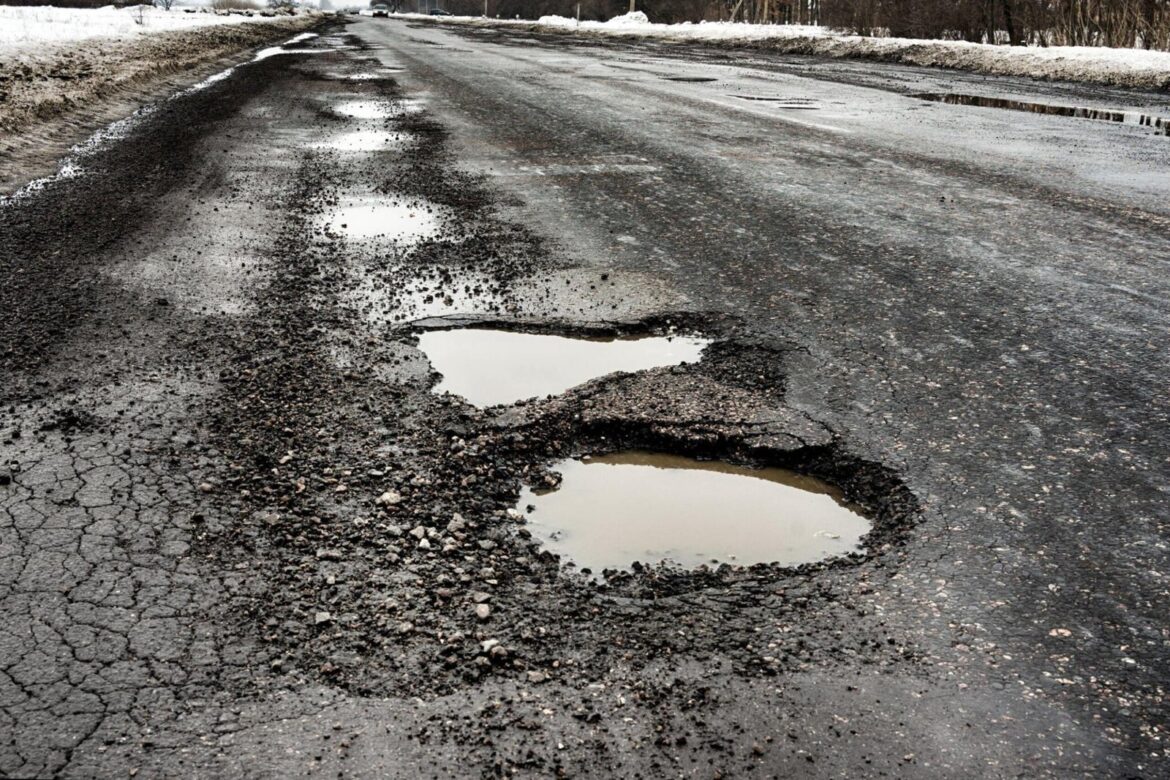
(632, 6)
(484, 9)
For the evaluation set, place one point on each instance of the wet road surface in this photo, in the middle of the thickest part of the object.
(239, 533)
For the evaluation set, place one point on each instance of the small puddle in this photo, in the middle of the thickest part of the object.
(364, 141)
(691, 79)
(804, 104)
(1160, 124)
(612, 510)
(364, 109)
(376, 109)
(489, 367)
(378, 74)
(405, 221)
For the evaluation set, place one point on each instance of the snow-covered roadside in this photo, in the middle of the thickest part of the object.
(27, 27)
(1098, 65)
(56, 91)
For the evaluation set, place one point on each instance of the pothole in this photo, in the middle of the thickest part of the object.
(1160, 124)
(488, 367)
(782, 102)
(364, 109)
(376, 109)
(613, 510)
(406, 221)
(373, 76)
(364, 141)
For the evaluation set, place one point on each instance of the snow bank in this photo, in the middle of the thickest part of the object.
(1117, 67)
(32, 25)
(633, 18)
(55, 87)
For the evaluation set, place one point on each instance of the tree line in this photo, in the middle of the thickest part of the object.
(1120, 23)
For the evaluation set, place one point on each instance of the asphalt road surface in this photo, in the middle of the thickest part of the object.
(240, 536)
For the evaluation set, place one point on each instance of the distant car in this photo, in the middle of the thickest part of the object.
(381, 10)
(440, 12)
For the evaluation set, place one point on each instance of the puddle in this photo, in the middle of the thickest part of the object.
(405, 221)
(691, 79)
(782, 102)
(364, 109)
(365, 141)
(489, 367)
(1160, 124)
(612, 510)
(373, 76)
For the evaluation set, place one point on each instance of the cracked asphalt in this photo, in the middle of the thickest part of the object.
(240, 536)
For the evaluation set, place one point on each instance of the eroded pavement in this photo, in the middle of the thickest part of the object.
(240, 535)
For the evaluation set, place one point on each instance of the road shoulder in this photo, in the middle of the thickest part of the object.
(57, 96)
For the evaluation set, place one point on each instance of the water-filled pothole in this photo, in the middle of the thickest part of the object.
(406, 221)
(805, 104)
(373, 76)
(1160, 124)
(377, 109)
(612, 510)
(489, 367)
(364, 109)
(365, 141)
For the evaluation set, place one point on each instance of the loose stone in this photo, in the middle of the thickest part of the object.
(389, 498)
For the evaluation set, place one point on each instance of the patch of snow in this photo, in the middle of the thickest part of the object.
(298, 38)
(632, 18)
(73, 165)
(28, 26)
(207, 82)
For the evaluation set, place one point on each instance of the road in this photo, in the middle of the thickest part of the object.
(222, 455)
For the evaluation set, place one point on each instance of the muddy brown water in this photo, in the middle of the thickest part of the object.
(1159, 124)
(612, 510)
(488, 366)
